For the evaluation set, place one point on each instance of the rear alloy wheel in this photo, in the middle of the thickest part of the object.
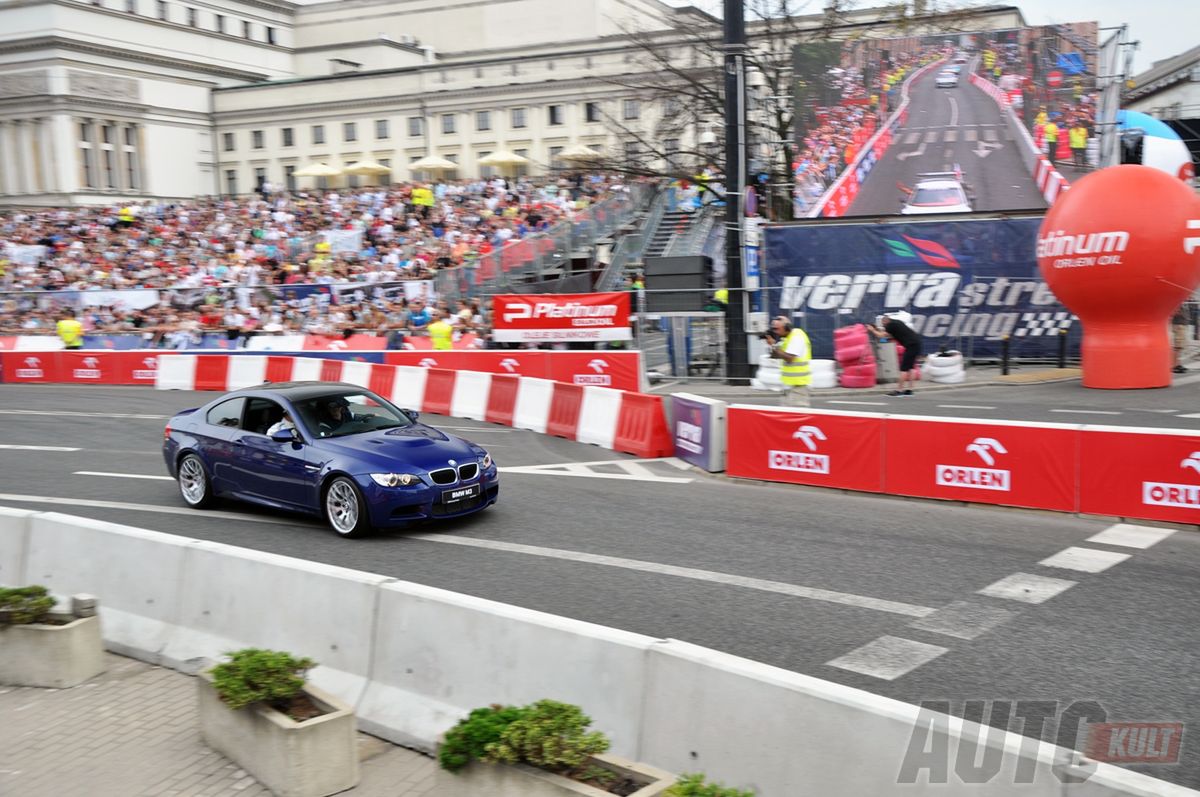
(345, 509)
(193, 482)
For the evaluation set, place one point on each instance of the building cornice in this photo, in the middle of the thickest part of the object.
(79, 46)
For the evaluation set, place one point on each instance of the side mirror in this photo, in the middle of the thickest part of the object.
(412, 415)
(285, 436)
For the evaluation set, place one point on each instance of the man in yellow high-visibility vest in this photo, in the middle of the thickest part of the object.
(791, 345)
(441, 333)
(70, 331)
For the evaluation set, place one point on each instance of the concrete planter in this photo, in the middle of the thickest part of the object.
(53, 656)
(313, 758)
(517, 780)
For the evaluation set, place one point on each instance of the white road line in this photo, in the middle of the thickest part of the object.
(911, 138)
(931, 138)
(66, 414)
(1086, 560)
(887, 658)
(14, 447)
(1127, 535)
(793, 590)
(476, 429)
(950, 137)
(1140, 409)
(963, 620)
(1089, 412)
(166, 510)
(1189, 415)
(972, 135)
(121, 475)
(965, 407)
(863, 403)
(633, 472)
(1027, 588)
(953, 111)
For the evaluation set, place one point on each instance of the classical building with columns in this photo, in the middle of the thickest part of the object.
(171, 99)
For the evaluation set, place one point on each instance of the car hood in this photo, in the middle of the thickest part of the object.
(418, 447)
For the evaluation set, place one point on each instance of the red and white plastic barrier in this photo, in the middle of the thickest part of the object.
(1151, 474)
(622, 420)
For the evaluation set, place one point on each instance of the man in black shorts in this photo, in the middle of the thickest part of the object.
(903, 334)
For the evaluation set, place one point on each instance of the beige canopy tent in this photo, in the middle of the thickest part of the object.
(317, 170)
(432, 163)
(580, 153)
(507, 162)
(367, 168)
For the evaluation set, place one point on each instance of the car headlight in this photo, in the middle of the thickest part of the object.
(393, 479)
(487, 460)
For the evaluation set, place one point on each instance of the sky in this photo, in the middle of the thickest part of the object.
(1164, 27)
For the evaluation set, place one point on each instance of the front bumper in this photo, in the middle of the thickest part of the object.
(397, 506)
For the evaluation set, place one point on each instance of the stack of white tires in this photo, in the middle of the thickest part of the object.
(824, 373)
(768, 376)
(946, 369)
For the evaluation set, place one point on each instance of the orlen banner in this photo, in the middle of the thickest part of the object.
(1143, 473)
(823, 448)
(550, 317)
(967, 284)
(1027, 464)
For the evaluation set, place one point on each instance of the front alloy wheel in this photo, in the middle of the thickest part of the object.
(193, 482)
(345, 509)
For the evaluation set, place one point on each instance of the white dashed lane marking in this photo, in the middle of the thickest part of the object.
(1027, 588)
(1087, 560)
(963, 620)
(122, 475)
(888, 657)
(1088, 412)
(7, 447)
(1127, 535)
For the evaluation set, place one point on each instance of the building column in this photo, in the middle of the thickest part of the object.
(64, 153)
(46, 160)
(25, 155)
(7, 174)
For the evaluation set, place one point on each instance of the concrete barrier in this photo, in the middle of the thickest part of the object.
(136, 575)
(470, 396)
(439, 654)
(232, 598)
(14, 539)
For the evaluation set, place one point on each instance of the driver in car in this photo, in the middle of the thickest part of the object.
(335, 412)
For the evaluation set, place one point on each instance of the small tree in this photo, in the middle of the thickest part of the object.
(24, 605)
(550, 735)
(469, 739)
(260, 676)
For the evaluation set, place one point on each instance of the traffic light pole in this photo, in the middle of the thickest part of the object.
(737, 355)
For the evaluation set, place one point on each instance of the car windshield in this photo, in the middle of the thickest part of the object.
(349, 412)
(937, 197)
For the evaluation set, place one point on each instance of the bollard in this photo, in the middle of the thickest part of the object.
(1004, 356)
(1062, 348)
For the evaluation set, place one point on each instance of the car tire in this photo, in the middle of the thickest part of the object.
(942, 360)
(853, 354)
(949, 379)
(935, 371)
(345, 509)
(194, 484)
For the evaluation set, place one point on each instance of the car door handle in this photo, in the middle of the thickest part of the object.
(312, 467)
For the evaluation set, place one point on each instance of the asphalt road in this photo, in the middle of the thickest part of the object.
(810, 580)
(946, 127)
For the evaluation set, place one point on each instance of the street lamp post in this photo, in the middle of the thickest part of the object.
(737, 355)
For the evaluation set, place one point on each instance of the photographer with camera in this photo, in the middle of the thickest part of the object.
(791, 345)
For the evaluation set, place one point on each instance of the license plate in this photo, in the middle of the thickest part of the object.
(460, 494)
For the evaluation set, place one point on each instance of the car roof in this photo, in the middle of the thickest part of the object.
(938, 183)
(299, 390)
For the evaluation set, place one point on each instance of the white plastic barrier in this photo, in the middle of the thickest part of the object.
(175, 373)
(598, 415)
(356, 373)
(470, 396)
(136, 575)
(247, 371)
(408, 389)
(14, 536)
(439, 653)
(232, 598)
(275, 343)
(307, 369)
(532, 407)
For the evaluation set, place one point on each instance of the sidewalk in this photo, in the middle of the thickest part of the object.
(133, 732)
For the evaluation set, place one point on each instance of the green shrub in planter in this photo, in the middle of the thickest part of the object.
(549, 735)
(24, 605)
(695, 785)
(468, 740)
(260, 676)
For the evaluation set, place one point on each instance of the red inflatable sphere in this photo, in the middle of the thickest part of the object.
(1121, 249)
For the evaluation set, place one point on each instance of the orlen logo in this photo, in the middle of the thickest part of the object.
(428, 362)
(1182, 496)
(581, 315)
(1192, 243)
(149, 369)
(599, 378)
(509, 364)
(32, 369)
(336, 345)
(930, 252)
(1085, 249)
(977, 478)
(802, 461)
(90, 369)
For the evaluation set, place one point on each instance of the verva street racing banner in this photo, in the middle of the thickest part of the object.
(560, 317)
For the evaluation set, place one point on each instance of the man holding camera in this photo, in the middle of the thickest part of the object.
(791, 345)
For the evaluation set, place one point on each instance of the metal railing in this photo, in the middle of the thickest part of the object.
(694, 236)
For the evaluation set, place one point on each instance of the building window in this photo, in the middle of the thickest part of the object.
(247, 30)
(632, 151)
(231, 182)
(555, 163)
(289, 176)
(270, 35)
(318, 134)
(256, 139)
(631, 109)
(448, 123)
(671, 146)
(288, 139)
(260, 179)
(133, 179)
(381, 128)
(349, 131)
(131, 6)
(518, 117)
(672, 107)
(220, 23)
(162, 10)
(416, 125)
(591, 111)
(191, 17)
(483, 120)
(554, 114)
(108, 156)
(87, 158)
(485, 172)
(522, 168)
(227, 142)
